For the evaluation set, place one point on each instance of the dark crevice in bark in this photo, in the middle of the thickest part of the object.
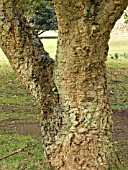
(72, 94)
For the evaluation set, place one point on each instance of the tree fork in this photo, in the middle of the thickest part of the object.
(72, 92)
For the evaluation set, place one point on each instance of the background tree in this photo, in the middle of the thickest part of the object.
(126, 16)
(30, 6)
(44, 18)
(72, 90)
(40, 14)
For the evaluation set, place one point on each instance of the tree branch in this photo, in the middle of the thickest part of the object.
(26, 53)
(31, 62)
(109, 12)
(13, 153)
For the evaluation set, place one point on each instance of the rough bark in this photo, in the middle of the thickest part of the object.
(31, 62)
(77, 118)
(80, 76)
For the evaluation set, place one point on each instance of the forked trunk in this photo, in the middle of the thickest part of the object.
(71, 92)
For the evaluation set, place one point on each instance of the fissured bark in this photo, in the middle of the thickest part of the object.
(72, 90)
(84, 141)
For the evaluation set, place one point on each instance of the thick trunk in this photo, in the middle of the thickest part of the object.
(81, 81)
(77, 119)
(84, 141)
(83, 94)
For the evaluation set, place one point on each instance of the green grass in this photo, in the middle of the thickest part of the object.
(30, 158)
(118, 47)
(118, 83)
(16, 102)
(118, 44)
(18, 106)
(14, 99)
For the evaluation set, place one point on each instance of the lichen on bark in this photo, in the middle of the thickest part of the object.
(72, 90)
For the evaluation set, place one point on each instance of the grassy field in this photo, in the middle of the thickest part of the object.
(19, 114)
(118, 44)
(118, 83)
(19, 120)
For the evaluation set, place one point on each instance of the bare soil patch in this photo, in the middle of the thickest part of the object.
(20, 127)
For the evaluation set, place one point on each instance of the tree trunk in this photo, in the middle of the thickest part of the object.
(31, 62)
(77, 118)
(80, 76)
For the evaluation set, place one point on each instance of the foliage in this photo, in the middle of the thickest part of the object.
(29, 6)
(40, 14)
(44, 18)
(118, 55)
(126, 16)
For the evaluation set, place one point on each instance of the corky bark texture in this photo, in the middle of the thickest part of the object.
(84, 32)
(72, 91)
(31, 62)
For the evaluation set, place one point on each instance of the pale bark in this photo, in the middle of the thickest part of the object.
(77, 118)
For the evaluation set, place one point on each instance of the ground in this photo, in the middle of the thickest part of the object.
(120, 135)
